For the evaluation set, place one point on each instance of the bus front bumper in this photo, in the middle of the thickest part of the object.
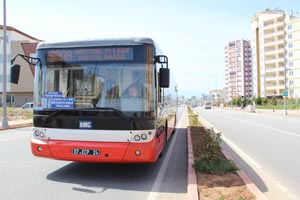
(101, 152)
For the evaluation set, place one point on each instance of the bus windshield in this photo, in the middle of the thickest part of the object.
(74, 84)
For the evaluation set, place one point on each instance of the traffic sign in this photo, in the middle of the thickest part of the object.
(285, 93)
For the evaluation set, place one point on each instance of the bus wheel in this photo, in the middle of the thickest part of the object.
(175, 122)
(165, 141)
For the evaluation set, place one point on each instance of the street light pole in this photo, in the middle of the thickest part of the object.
(4, 123)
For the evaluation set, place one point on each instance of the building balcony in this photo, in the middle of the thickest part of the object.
(274, 87)
(272, 34)
(274, 51)
(280, 77)
(274, 60)
(274, 78)
(281, 68)
(270, 69)
(271, 43)
(273, 68)
(273, 25)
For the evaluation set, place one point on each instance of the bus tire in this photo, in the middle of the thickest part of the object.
(175, 122)
(165, 140)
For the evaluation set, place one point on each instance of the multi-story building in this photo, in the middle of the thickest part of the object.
(218, 96)
(18, 43)
(238, 69)
(276, 54)
(293, 57)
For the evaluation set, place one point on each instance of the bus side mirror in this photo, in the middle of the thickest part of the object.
(15, 73)
(164, 73)
(164, 77)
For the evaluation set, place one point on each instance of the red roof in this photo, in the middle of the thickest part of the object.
(9, 28)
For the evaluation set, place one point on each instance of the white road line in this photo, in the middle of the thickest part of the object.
(232, 145)
(264, 126)
(240, 152)
(158, 180)
(14, 138)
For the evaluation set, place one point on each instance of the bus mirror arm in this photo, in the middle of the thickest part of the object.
(30, 60)
(15, 68)
(162, 59)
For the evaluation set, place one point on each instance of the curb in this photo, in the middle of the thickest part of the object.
(250, 185)
(192, 187)
(16, 126)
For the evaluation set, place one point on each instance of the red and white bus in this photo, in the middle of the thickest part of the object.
(102, 101)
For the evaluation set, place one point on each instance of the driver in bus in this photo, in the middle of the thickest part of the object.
(132, 91)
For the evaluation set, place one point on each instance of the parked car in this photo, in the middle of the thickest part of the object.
(28, 105)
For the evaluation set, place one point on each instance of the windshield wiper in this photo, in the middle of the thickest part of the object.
(55, 112)
(116, 111)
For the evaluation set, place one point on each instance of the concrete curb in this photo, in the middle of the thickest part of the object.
(249, 183)
(17, 124)
(192, 187)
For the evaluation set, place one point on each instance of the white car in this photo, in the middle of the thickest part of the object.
(28, 105)
(207, 105)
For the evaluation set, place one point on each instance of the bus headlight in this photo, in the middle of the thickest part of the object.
(144, 136)
(137, 138)
(39, 133)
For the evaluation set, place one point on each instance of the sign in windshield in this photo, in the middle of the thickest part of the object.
(55, 100)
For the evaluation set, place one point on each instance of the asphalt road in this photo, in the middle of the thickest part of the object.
(24, 176)
(265, 146)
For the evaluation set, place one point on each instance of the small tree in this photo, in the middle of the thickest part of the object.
(274, 101)
(213, 146)
(258, 101)
(265, 101)
(248, 101)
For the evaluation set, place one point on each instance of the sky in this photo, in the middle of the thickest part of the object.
(192, 33)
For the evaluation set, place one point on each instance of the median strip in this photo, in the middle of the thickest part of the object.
(214, 184)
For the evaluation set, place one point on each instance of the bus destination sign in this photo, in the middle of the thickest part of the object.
(90, 54)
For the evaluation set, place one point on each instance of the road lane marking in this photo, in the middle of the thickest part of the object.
(264, 126)
(158, 180)
(267, 177)
(231, 144)
(14, 138)
(240, 152)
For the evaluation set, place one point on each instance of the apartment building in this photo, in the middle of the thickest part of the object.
(18, 42)
(238, 69)
(293, 57)
(276, 54)
(217, 96)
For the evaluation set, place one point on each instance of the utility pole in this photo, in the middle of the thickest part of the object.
(4, 123)
(284, 58)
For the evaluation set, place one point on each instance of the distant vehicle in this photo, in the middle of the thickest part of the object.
(28, 105)
(207, 104)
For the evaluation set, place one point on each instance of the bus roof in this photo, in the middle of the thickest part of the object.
(98, 42)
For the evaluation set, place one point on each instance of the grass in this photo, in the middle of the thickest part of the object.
(221, 166)
(17, 113)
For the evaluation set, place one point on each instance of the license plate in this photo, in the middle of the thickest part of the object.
(86, 152)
